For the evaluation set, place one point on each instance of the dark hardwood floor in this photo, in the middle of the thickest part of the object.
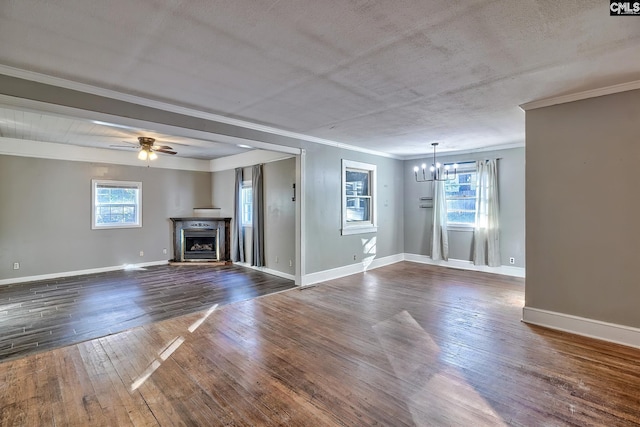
(43, 315)
(402, 345)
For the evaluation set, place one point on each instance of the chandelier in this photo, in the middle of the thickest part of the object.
(436, 172)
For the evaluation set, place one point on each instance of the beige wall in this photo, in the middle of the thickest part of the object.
(582, 207)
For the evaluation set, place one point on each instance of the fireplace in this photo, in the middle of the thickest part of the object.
(200, 245)
(201, 239)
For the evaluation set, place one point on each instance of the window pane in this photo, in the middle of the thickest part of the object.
(461, 205)
(357, 183)
(461, 217)
(247, 205)
(358, 209)
(116, 203)
(462, 186)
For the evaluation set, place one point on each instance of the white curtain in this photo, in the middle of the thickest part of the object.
(439, 235)
(486, 237)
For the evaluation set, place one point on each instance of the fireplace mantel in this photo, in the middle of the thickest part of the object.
(222, 225)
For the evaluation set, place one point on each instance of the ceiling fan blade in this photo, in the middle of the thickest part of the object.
(163, 147)
(123, 146)
(165, 151)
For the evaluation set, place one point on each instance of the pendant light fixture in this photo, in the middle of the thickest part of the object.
(437, 172)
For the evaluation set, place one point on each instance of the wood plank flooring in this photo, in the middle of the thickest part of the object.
(402, 345)
(47, 314)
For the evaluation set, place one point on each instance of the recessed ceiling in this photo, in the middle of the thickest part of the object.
(47, 127)
(390, 76)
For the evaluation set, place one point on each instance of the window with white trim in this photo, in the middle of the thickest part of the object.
(461, 196)
(246, 195)
(116, 204)
(359, 214)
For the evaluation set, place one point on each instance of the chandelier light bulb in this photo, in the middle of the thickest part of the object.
(142, 155)
(436, 173)
(153, 156)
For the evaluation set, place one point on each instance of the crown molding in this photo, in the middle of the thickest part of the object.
(468, 151)
(108, 93)
(578, 96)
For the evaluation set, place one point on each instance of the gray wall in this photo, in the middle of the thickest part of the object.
(279, 211)
(280, 216)
(326, 248)
(582, 208)
(511, 182)
(45, 215)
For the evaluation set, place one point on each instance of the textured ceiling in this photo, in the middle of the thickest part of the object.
(386, 75)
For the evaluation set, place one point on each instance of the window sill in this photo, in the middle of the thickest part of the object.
(113, 227)
(359, 230)
(460, 227)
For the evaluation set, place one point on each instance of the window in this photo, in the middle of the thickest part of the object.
(358, 197)
(246, 195)
(461, 196)
(116, 204)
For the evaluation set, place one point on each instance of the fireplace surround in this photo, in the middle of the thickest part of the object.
(197, 239)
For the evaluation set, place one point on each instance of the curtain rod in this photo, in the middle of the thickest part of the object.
(469, 161)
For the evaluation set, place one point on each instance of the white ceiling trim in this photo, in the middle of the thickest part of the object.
(578, 96)
(50, 150)
(474, 150)
(108, 93)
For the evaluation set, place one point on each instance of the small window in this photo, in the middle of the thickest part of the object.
(358, 197)
(247, 204)
(461, 196)
(116, 204)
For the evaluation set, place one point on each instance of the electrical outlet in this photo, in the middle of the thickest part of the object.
(141, 253)
(164, 251)
(290, 263)
(512, 260)
(354, 257)
(16, 266)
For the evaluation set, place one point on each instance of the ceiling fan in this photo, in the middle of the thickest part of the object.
(148, 148)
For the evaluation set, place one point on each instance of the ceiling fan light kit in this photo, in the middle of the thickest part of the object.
(148, 149)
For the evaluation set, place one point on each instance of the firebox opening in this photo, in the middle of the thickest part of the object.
(200, 245)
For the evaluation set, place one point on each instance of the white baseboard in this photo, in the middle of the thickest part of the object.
(612, 332)
(347, 270)
(80, 272)
(505, 270)
(267, 270)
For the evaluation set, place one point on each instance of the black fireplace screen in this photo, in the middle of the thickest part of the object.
(200, 244)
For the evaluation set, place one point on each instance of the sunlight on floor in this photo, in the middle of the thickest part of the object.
(368, 251)
(437, 394)
(169, 350)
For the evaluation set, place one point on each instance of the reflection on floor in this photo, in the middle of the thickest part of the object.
(402, 345)
(47, 314)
